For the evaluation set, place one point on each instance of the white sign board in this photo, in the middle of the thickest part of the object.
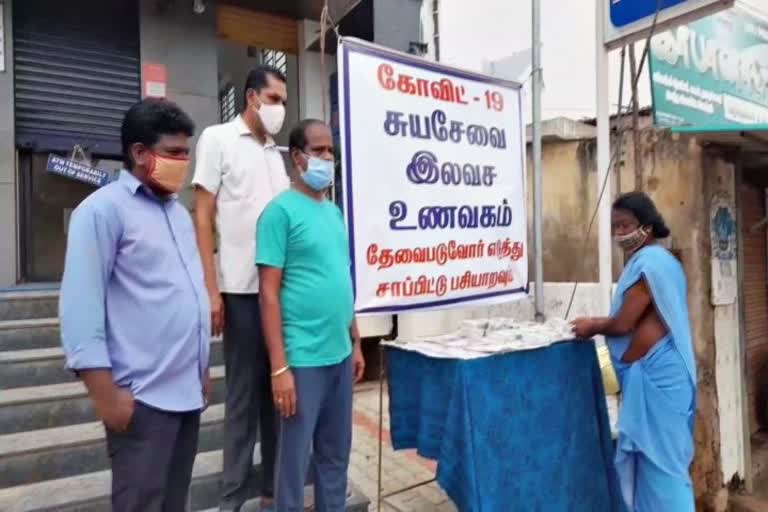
(434, 182)
(626, 21)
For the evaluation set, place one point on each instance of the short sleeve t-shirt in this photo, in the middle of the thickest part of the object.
(306, 238)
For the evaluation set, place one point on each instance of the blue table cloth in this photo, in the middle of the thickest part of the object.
(523, 431)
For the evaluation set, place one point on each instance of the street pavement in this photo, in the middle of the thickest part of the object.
(401, 469)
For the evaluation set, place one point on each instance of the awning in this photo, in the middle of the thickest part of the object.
(751, 138)
(295, 9)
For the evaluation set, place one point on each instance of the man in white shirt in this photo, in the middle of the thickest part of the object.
(238, 171)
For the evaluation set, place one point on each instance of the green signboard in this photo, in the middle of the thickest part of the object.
(712, 73)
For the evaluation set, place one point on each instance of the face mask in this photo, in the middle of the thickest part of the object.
(166, 173)
(272, 117)
(632, 241)
(319, 173)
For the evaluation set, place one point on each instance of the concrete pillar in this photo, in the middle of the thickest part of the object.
(396, 23)
(310, 73)
(8, 202)
(186, 44)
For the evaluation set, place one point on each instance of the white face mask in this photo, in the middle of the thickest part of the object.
(272, 117)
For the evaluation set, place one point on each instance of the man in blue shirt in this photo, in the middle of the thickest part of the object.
(135, 314)
(307, 311)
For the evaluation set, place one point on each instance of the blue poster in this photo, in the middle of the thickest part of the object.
(77, 171)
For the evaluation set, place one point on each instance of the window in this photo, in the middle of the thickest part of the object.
(275, 59)
(227, 108)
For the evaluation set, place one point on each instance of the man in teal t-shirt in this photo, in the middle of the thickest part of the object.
(307, 311)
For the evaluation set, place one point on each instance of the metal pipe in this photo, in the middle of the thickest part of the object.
(603, 103)
(538, 243)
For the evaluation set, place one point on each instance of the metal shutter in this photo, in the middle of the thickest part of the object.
(77, 71)
(755, 289)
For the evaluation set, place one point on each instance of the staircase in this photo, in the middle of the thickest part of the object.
(52, 449)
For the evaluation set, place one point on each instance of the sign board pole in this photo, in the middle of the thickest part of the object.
(538, 237)
(603, 103)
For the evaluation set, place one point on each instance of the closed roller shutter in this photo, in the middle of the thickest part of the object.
(76, 68)
(755, 290)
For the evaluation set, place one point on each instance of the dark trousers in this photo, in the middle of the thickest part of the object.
(322, 425)
(152, 461)
(250, 411)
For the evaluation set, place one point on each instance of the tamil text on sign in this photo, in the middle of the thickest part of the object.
(434, 181)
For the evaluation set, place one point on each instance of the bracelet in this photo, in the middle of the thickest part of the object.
(280, 371)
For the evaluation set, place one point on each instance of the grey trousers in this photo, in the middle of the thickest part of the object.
(250, 411)
(152, 461)
(323, 425)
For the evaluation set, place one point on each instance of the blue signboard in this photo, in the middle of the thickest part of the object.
(626, 21)
(625, 12)
(77, 171)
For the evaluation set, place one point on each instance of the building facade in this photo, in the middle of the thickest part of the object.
(71, 69)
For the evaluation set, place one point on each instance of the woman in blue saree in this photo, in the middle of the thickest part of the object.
(648, 335)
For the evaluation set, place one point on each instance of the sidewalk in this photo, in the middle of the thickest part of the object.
(399, 469)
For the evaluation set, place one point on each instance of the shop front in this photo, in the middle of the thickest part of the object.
(71, 69)
(708, 82)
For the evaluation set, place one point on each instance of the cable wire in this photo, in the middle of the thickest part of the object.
(620, 142)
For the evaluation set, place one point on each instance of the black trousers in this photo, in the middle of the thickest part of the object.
(250, 411)
(152, 461)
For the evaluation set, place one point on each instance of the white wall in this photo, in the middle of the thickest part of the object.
(472, 31)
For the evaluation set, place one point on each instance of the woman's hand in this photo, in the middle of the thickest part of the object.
(584, 328)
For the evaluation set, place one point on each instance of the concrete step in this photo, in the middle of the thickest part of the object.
(49, 454)
(90, 492)
(28, 304)
(59, 405)
(29, 334)
(44, 366)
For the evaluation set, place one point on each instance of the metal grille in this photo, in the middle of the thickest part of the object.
(227, 108)
(74, 77)
(275, 59)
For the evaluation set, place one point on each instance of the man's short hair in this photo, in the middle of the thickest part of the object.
(258, 77)
(298, 136)
(148, 120)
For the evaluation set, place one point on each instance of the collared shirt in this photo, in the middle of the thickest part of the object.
(133, 297)
(244, 175)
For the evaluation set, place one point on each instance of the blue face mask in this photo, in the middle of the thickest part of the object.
(319, 173)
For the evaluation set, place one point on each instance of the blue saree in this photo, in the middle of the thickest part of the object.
(656, 416)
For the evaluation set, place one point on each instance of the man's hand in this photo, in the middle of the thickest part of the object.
(217, 313)
(116, 411)
(584, 328)
(359, 362)
(113, 405)
(284, 393)
(207, 389)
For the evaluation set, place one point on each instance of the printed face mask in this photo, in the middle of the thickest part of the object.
(632, 241)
